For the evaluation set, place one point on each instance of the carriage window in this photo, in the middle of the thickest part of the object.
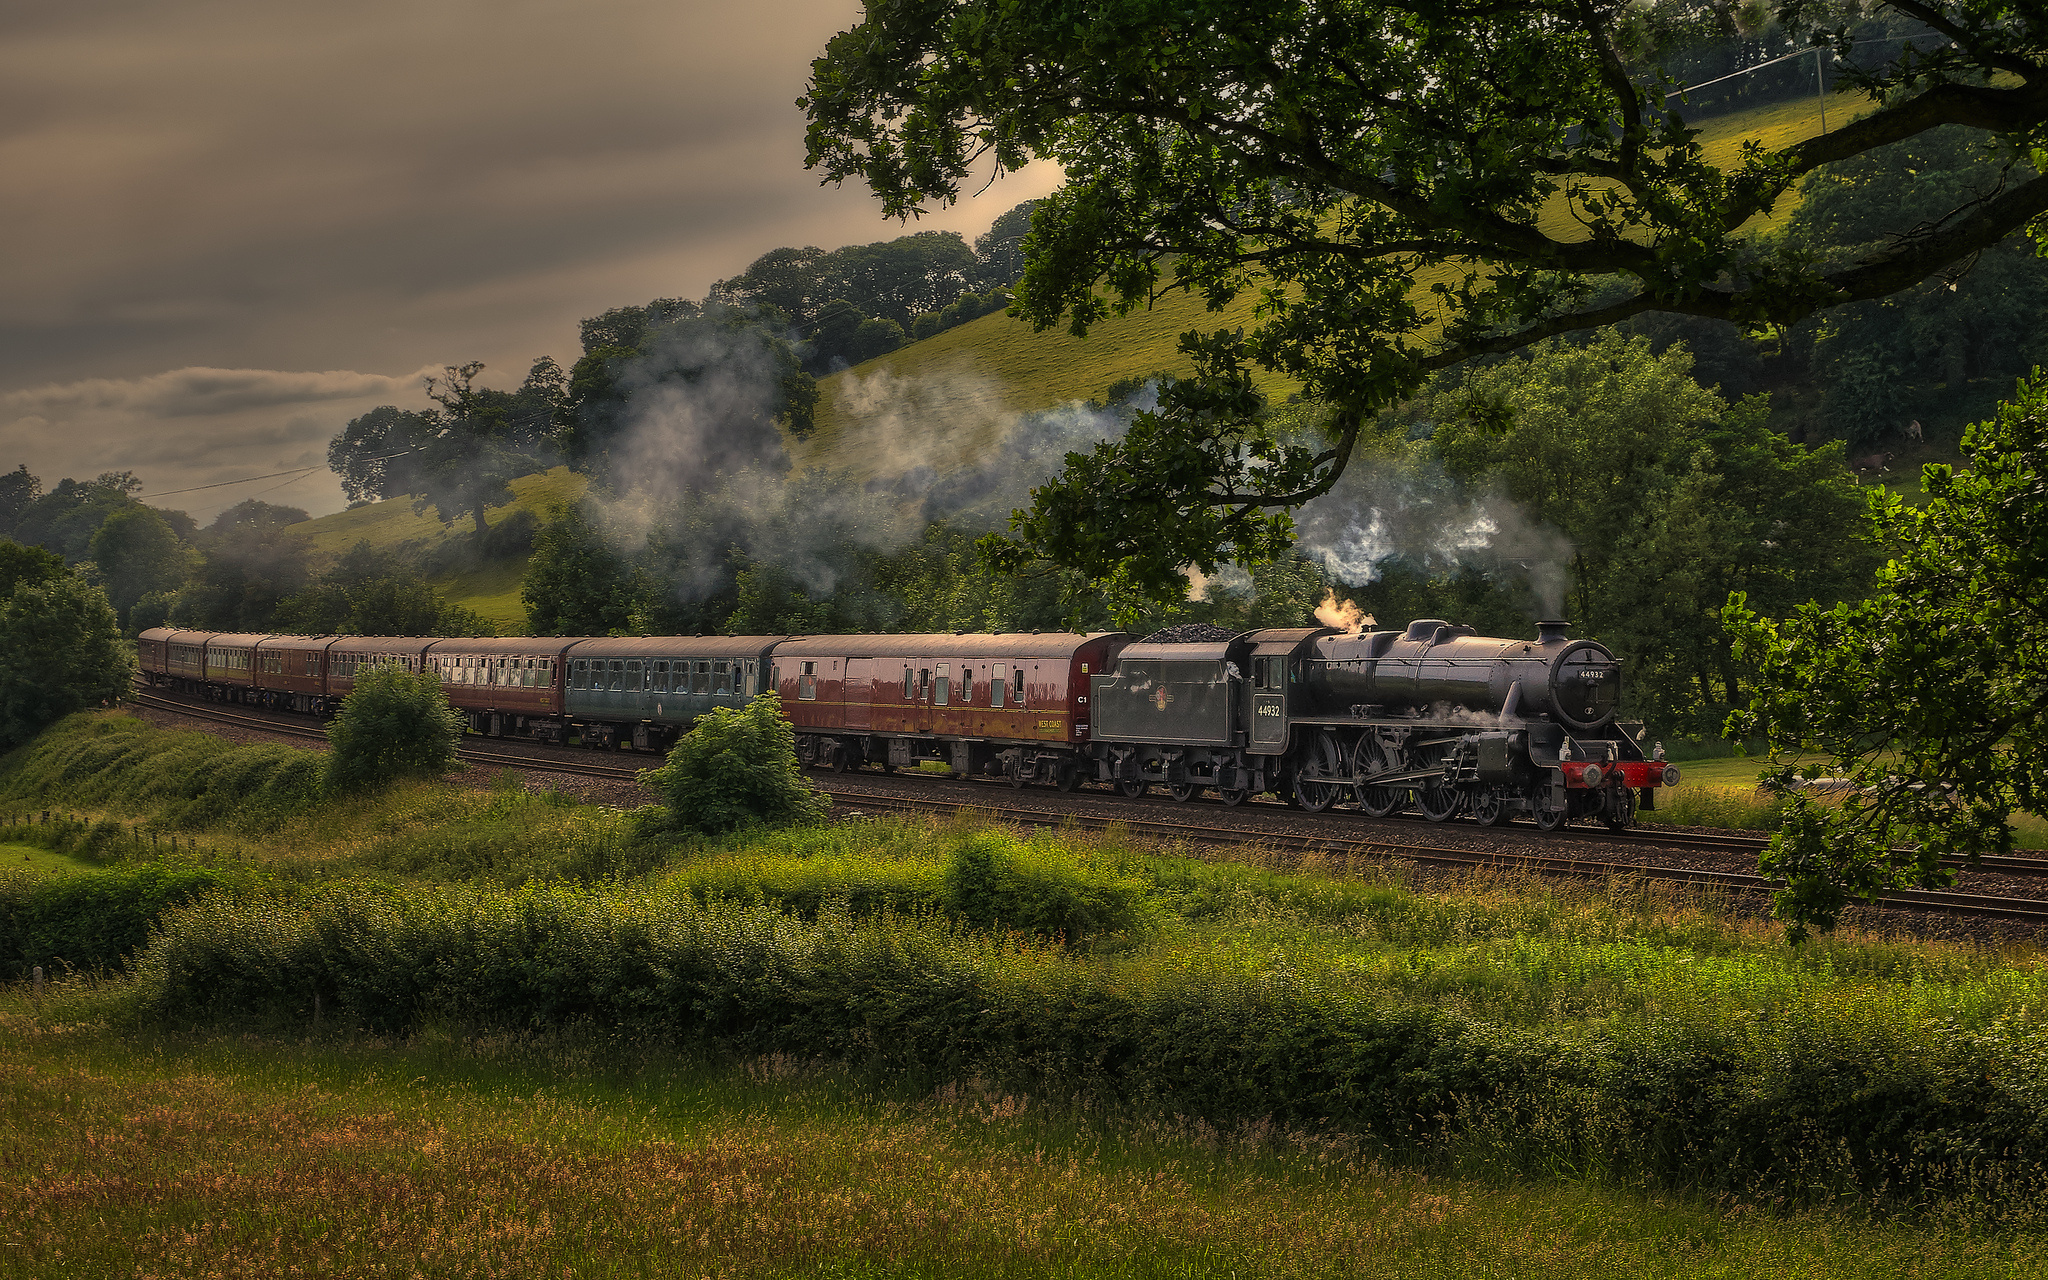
(807, 682)
(909, 682)
(1017, 685)
(702, 684)
(998, 675)
(617, 673)
(659, 682)
(721, 677)
(941, 686)
(966, 685)
(312, 664)
(579, 674)
(749, 690)
(633, 675)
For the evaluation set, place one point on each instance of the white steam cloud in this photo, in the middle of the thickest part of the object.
(1406, 510)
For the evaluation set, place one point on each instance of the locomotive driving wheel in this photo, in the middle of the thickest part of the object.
(1548, 819)
(1374, 756)
(1323, 759)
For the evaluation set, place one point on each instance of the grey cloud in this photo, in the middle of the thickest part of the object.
(186, 392)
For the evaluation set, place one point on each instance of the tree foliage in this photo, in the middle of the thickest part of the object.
(1322, 154)
(458, 457)
(249, 559)
(394, 724)
(138, 553)
(575, 582)
(373, 593)
(1926, 696)
(60, 650)
(736, 768)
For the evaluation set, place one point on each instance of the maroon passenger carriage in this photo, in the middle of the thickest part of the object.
(505, 687)
(1014, 706)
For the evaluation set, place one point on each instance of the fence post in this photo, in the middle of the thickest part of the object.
(36, 976)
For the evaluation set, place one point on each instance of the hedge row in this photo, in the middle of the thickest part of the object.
(91, 921)
(1839, 1102)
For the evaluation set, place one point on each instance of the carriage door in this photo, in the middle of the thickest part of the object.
(858, 689)
(1269, 701)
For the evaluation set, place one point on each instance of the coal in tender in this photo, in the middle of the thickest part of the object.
(1190, 633)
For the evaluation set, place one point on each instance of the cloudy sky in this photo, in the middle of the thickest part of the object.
(232, 226)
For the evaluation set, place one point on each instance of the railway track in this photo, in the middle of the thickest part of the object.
(2022, 910)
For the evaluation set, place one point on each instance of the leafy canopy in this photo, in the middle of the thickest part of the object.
(60, 647)
(1322, 152)
(394, 724)
(1928, 695)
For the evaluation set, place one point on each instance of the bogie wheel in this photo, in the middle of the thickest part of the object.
(1016, 776)
(1489, 809)
(1440, 803)
(1067, 779)
(1233, 796)
(1133, 789)
(1549, 819)
(1182, 792)
(841, 757)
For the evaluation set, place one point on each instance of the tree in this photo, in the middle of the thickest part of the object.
(33, 565)
(137, 553)
(18, 491)
(394, 724)
(249, 559)
(1323, 155)
(66, 518)
(60, 651)
(1927, 696)
(1668, 497)
(1001, 247)
(575, 583)
(735, 768)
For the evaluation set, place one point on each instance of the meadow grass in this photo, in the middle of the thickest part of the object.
(573, 1156)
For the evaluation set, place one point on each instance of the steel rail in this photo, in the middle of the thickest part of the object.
(2020, 909)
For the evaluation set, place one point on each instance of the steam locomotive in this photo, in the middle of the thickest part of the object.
(1433, 717)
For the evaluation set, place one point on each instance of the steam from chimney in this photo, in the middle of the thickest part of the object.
(1346, 617)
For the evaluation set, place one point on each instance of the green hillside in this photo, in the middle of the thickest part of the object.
(997, 364)
(492, 589)
(952, 391)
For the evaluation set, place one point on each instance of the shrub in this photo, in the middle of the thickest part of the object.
(995, 881)
(736, 768)
(60, 652)
(394, 724)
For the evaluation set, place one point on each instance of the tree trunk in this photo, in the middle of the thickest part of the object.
(481, 527)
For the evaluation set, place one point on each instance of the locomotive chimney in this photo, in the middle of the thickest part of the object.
(1546, 632)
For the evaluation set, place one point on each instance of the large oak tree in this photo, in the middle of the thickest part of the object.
(1323, 152)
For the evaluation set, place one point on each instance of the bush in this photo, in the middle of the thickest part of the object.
(736, 768)
(94, 920)
(394, 724)
(60, 651)
(994, 881)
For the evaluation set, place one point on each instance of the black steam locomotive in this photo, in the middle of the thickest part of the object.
(1435, 717)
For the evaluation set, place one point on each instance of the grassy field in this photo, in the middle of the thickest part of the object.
(440, 1156)
(825, 1064)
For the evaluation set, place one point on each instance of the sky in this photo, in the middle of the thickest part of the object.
(233, 226)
